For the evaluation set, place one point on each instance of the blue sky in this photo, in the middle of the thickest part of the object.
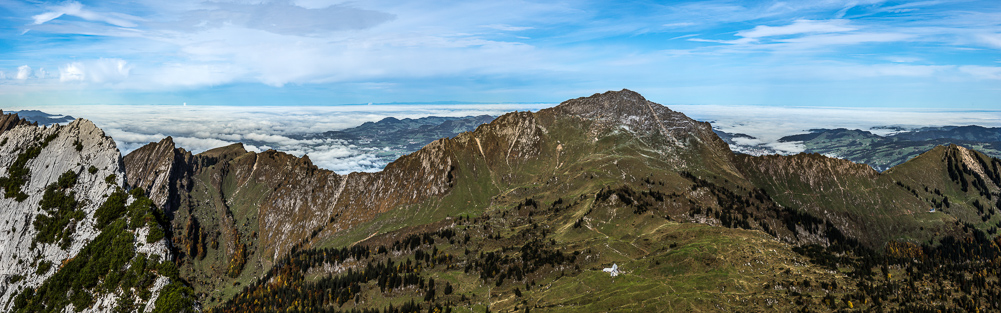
(925, 54)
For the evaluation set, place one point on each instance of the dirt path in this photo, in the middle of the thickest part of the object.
(366, 238)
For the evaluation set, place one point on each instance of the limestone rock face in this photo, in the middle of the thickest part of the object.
(159, 169)
(685, 142)
(79, 147)
(631, 111)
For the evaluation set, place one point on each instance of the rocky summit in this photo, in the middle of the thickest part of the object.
(521, 214)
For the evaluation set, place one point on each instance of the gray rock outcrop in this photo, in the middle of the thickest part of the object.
(79, 147)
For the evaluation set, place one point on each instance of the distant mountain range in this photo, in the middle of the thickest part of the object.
(42, 118)
(880, 152)
(519, 214)
(390, 137)
(393, 131)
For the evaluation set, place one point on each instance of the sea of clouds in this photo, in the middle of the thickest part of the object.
(199, 128)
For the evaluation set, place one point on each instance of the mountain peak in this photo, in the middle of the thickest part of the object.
(151, 167)
(629, 111)
(615, 108)
(221, 152)
(609, 102)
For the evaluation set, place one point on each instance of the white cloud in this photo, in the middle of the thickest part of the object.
(747, 141)
(787, 147)
(71, 72)
(96, 71)
(684, 36)
(126, 136)
(268, 138)
(23, 72)
(108, 70)
(74, 8)
(200, 144)
(356, 163)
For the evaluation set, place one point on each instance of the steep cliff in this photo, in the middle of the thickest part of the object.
(160, 170)
(44, 154)
(56, 181)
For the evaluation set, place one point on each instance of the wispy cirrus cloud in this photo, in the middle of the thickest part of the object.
(284, 18)
(679, 24)
(74, 8)
(797, 27)
(509, 28)
(803, 34)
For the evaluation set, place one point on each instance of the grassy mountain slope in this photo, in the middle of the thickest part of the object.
(865, 204)
(957, 181)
